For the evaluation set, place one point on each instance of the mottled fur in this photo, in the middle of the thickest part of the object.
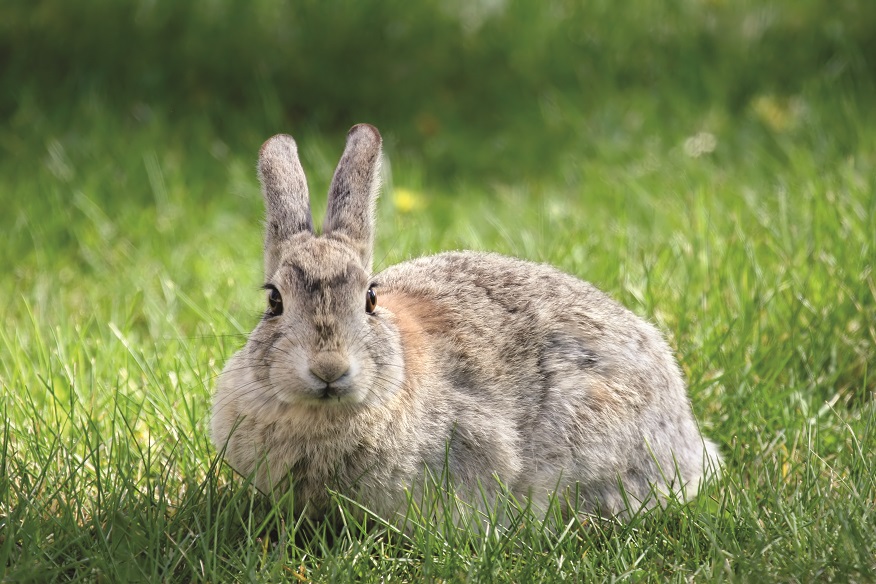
(489, 366)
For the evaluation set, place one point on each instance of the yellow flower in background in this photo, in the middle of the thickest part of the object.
(406, 200)
(779, 114)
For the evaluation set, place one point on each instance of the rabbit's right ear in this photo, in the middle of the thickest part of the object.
(286, 201)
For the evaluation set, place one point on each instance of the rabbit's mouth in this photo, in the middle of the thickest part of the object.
(334, 392)
(329, 394)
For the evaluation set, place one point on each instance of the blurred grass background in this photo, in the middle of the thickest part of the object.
(475, 93)
(709, 163)
(503, 87)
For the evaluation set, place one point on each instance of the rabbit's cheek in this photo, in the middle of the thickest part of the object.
(290, 383)
(230, 396)
(382, 378)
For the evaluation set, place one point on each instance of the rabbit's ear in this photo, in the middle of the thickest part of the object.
(353, 194)
(286, 201)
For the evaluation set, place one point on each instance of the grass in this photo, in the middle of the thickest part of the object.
(444, 74)
(131, 266)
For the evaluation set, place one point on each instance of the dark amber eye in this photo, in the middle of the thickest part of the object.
(275, 302)
(370, 301)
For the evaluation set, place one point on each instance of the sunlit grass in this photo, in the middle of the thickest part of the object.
(131, 261)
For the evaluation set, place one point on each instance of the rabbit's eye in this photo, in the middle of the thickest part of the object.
(370, 301)
(275, 302)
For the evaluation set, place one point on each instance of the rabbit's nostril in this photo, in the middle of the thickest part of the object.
(329, 367)
(329, 376)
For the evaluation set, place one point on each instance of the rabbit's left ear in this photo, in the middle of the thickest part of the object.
(353, 193)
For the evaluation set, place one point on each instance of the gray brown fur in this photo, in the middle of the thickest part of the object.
(497, 367)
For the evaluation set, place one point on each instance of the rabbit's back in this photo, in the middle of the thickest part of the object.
(545, 380)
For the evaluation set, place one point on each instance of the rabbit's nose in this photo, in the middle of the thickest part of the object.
(329, 367)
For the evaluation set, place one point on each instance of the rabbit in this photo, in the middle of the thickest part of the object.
(497, 372)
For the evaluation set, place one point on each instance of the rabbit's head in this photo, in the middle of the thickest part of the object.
(322, 342)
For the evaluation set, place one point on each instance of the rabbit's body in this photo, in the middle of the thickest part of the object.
(473, 364)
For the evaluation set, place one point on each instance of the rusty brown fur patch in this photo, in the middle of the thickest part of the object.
(416, 319)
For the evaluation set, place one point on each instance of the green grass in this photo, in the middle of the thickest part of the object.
(717, 182)
(444, 74)
(132, 257)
